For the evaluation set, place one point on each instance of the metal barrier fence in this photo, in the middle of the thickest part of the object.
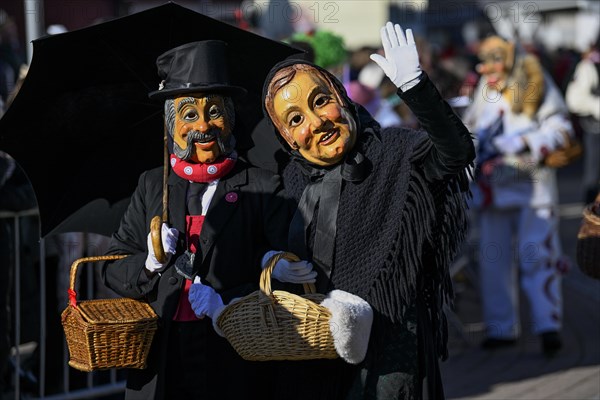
(24, 383)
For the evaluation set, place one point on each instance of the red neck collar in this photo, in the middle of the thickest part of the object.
(200, 172)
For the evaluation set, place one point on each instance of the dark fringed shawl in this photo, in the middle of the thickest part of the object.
(398, 229)
(386, 222)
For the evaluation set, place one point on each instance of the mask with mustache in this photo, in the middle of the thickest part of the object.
(226, 145)
(223, 136)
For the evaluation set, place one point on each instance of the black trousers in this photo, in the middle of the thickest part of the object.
(187, 367)
(203, 365)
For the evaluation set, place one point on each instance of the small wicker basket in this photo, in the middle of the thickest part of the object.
(566, 154)
(103, 334)
(588, 242)
(277, 325)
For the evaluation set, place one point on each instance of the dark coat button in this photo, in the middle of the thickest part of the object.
(172, 280)
(127, 286)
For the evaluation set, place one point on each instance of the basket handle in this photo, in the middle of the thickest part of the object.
(73, 274)
(265, 296)
(265, 276)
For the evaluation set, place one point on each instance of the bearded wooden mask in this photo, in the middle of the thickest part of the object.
(200, 126)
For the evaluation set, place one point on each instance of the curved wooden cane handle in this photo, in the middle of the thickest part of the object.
(155, 235)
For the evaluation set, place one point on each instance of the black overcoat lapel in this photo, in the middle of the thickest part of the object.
(225, 201)
(177, 190)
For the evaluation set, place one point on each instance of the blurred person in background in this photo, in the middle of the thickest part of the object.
(10, 59)
(16, 194)
(329, 50)
(446, 81)
(366, 91)
(359, 59)
(519, 117)
(583, 100)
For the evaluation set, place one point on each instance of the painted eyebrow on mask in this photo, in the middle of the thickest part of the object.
(291, 106)
(185, 101)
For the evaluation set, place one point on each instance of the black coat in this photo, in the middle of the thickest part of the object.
(235, 236)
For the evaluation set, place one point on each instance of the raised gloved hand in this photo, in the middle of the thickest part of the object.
(204, 300)
(509, 144)
(293, 272)
(169, 241)
(401, 61)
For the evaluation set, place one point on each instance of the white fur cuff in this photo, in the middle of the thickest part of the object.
(350, 324)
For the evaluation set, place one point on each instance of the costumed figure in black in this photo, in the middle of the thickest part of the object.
(223, 216)
(380, 214)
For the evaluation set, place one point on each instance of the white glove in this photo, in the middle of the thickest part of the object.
(204, 300)
(293, 272)
(509, 144)
(169, 241)
(401, 62)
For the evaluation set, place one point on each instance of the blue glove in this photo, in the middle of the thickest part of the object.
(204, 300)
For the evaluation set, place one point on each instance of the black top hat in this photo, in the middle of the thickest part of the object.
(196, 67)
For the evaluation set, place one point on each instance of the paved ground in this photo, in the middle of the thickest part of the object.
(522, 372)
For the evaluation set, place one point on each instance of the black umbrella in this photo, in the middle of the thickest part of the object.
(82, 126)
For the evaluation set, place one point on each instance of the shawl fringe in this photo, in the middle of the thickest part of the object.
(434, 225)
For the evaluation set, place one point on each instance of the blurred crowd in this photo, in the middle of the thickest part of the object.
(12, 61)
(571, 75)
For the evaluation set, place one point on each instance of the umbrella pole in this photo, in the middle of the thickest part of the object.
(156, 223)
(165, 214)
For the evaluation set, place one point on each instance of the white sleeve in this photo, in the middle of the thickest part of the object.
(551, 134)
(579, 97)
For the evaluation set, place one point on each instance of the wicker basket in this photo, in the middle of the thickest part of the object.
(588, 242)
(103, 334)
(566, 154)
(277, 325)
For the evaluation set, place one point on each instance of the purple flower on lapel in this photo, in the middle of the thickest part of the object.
(231, 197)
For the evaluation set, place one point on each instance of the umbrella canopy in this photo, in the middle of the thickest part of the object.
(82, 126)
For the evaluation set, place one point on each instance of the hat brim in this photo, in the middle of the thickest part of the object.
(233, 91)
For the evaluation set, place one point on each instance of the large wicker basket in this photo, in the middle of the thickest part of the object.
(588, 241)
(103, 334)
(277, 325)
